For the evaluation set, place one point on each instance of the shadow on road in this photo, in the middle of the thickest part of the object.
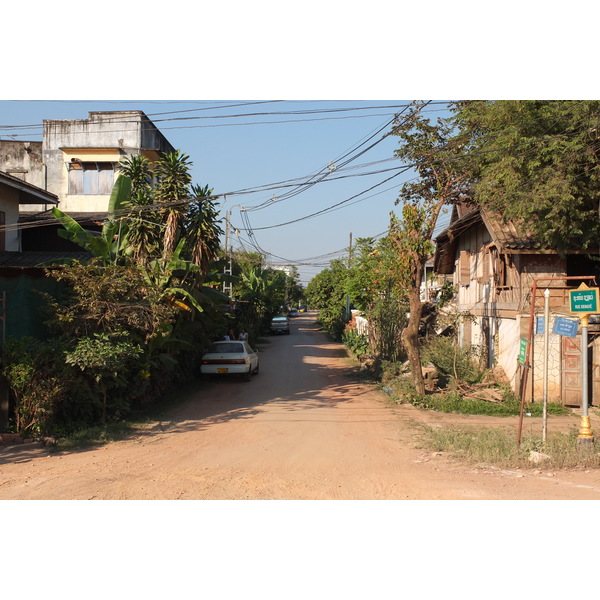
(298, 373)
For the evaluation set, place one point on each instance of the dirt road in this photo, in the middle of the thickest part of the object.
(301, 429)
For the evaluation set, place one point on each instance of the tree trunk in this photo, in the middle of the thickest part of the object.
(410, 335)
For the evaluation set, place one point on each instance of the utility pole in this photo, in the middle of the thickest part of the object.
(227, 287)
(546, 357)
(350, 252)
(348, 313)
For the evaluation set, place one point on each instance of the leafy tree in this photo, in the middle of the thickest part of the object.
(107, 299)
(536, 162)
(294, 289)
(374, 288)
(432, 149)
(327, 292)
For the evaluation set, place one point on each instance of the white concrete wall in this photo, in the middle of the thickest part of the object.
(554, 364)
(509, 334)
(9, 204)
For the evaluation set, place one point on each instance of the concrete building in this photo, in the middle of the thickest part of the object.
(77, 158)
(17, 195)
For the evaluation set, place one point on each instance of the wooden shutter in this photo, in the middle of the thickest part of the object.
(464, 266)
(485, 265)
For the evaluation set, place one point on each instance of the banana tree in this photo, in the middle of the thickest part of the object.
(161, 274)
(107, 245)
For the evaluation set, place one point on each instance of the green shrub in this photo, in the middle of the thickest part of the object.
(453, 402)
(32, 370)
(107, 360)
(358, 344)
(452, 360)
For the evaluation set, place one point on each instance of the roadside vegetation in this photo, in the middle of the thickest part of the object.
(135, 318)
(412, 348)
(131, 323)
(495, 447)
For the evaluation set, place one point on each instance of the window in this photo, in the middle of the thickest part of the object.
(91, 178)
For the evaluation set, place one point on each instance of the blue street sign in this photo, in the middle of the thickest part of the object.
(567, 327)
(539, 324)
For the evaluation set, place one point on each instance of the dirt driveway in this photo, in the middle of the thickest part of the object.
(301, 429)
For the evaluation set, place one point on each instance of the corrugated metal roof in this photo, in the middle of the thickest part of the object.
(33, 259)
(26, 217)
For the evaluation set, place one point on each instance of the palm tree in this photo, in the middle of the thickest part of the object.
(138, 169)
(201, 229)
(172, 189)
(143, 223)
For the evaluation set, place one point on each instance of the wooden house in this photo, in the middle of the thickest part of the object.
(500, 272)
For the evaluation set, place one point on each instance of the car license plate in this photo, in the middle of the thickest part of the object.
(222, 370)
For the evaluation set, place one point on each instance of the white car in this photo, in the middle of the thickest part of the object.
(230, 358)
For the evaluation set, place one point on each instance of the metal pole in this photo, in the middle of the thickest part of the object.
(526, 366)
(546, 353)
(586, 437)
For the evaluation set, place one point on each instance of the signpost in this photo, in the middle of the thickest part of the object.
(523, 351)
(584, 302)
(566, 327)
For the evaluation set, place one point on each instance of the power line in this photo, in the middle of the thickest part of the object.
(403, 170)
(126, 119)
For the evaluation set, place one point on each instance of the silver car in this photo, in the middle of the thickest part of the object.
(280, 325)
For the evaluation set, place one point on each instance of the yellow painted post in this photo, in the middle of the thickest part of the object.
(585, 436)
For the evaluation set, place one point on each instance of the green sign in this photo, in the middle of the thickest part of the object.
(584, 300)
(523, 351)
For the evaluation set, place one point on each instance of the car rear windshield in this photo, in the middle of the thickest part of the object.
(226, 348)
(279, 319)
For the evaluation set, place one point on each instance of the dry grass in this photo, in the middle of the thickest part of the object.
(498, 447)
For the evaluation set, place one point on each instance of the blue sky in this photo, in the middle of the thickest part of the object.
(386, 55)
(256, 162)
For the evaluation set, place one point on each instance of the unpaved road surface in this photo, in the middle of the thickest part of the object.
(302, 429)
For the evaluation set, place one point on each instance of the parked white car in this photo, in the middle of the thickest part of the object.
(230, 358)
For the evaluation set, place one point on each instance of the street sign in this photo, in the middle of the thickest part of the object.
(566, 327)
(584, 300)
(523, 351)
(539, 325)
